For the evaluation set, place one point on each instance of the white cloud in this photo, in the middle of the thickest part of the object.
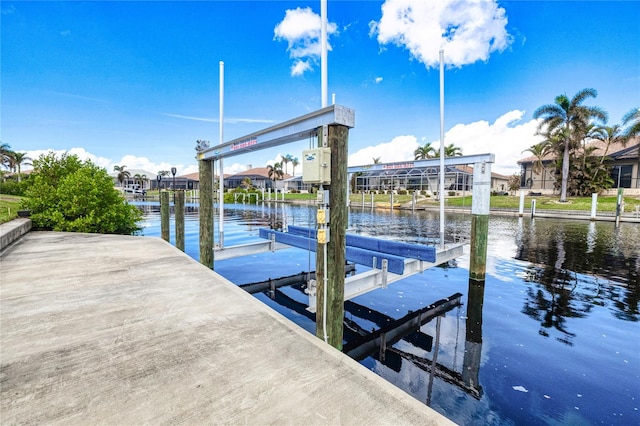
(80, 152)
(301, 29)
(131, 161)
(506, 137)
(299, 67)
(400, 148)
(468, 31)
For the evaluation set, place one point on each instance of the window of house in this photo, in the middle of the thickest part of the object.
(621, 176)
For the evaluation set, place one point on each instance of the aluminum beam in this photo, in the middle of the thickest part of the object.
(435, 162)
(380, 278)
(290, 131)
(247, 249)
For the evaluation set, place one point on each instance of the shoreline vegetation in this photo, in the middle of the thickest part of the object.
(10, 204)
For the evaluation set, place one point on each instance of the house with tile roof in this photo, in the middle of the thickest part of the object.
(623, 162)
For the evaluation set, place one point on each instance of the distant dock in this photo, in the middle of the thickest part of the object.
(129, 330)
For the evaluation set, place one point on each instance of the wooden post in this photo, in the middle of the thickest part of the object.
(338, 142)
(164, 215)
(206, 212)
(179, 218)
(481, 199)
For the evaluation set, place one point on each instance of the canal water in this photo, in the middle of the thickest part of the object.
(551, 337)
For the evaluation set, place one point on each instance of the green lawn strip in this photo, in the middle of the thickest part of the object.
(551, 203)
(9, 206)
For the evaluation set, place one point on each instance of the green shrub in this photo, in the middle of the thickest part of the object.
(68, 194)
(13, 187)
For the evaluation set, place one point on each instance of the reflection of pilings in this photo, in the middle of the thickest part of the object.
(397, 329)
(434, 360)
(473, 339)
(442, 372)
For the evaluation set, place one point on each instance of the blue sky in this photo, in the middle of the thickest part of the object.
(137, 83)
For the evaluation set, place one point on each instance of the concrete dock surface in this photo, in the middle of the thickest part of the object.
(122, 330)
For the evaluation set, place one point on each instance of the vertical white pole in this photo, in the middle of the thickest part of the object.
(594, 205)
(441, 190)
(521, 209)
(221, 168)
(323, 52)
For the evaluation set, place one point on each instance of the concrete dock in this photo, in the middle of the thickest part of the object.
(121, 330)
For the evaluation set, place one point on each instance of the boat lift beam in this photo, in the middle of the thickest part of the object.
(248, 249)
(387, 268)
(299, 128)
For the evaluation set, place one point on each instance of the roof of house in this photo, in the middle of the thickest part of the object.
(257, 171)
(133, 172)
(469, 169)
(629, 150)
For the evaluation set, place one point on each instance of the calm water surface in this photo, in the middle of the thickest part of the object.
(552, 337)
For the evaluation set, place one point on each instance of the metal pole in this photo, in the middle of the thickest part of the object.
(323, 52)
(441, 191)
(220, 166)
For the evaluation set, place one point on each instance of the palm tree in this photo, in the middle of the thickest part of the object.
(19, 159)
(5, 151)
(275, 172)
(246, 183)
(572, 117)
(632, 120)
(539, 150)
(424, 152)
(294, 163)
(140, 178)
(450, 151)
(285, 160)
(122, 173)
(164, 173)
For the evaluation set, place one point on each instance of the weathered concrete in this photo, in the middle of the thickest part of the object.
(11, 231)
(129, 330)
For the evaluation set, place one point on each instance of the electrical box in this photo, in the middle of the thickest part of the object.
(316, 165)
(323, 235)
(322, 216)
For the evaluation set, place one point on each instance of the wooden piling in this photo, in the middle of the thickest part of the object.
(164, 215)
(480, 220)
(338, 142)
(179, 218)
(205, 168)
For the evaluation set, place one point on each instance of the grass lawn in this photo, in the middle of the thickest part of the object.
(551, 203)
(9, 206)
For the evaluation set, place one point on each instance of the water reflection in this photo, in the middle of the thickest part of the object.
(574, 267)
(551, 337)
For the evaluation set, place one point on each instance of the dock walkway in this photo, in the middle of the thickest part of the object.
(128, 330)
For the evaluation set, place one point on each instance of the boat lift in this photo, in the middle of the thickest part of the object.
(390, 260)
